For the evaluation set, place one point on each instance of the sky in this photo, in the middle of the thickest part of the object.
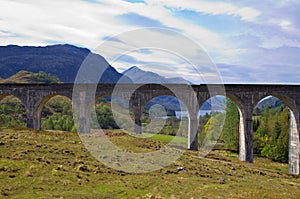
(203, 41)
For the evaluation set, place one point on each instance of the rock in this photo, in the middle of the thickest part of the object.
(181, 169)
(178, 170)
(222, 180)
(28, 174)
(40, 159)
(1, 143)
(60, 168)
(168, 172)
(83, 168)
(79, 176)
(232, 168)
(67, 151)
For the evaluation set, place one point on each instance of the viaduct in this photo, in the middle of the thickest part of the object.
(35, 96)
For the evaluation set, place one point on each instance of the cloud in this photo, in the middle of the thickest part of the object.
(82, 23)
(214, 8)
(277, 42)
(272, 73)
(248, 36)
(141, 21)
(111, 39)
(86, 23)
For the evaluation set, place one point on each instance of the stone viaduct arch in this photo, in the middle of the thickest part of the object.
(34, 96)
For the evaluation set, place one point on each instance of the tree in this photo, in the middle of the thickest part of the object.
(202, 122)
(43, 77)
(212, 129)
(105, 117)
(231, 126)
(265, 121)
(271, 138)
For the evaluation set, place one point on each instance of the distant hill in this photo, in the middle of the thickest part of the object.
(29, 77)
(146, 77)
(172, 104)
(63, 61)
(271, 101)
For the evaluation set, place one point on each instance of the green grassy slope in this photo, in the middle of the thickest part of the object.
(29, 77)
(20, 77)
(39, 164)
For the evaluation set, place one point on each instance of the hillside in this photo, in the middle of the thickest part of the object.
(20, 77)
(29, 77)
(63, 61)
(56, 165)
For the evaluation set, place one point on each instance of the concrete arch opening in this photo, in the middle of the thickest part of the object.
(158, 115)
(54, 112)
(211, 116)
(102, 116)
(276, 131)
(166, 115)
(12, 112)
(223, 124)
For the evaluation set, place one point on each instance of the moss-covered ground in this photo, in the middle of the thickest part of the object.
(44, 164)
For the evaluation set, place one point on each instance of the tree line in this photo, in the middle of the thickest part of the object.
(270, 130)
(270, 126)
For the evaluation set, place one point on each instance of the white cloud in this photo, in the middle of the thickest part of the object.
(214, 8)
(277, 42)
(168, 53)
(285, 24)
(86, 23)
(83, 23)
(78, 22)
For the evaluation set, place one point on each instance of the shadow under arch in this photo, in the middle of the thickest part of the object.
(41, 104)
(293, 134)
(12, 112)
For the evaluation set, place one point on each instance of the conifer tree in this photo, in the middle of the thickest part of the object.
(231, 126)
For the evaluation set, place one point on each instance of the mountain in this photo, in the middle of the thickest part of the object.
(146, 77)
(271, 101)
(139, 76)
(62, 61)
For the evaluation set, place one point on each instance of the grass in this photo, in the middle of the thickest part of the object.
(44, 164)
(166, 138)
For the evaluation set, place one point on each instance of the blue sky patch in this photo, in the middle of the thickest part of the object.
(138, 20)
(135, 1)
(217, 23)
(108, 38)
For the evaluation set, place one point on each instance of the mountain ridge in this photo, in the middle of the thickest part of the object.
(138, 75)
(61, 60)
